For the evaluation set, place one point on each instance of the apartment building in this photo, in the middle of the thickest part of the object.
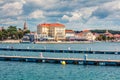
(85, 35)
(52, 30)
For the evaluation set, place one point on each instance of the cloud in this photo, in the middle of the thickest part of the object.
(36, 14)
(11, 9)
(75, 14)
(107, 9)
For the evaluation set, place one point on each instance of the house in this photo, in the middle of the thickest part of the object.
(70, 35)
(85, 35)
(117, 37)
(108, 34)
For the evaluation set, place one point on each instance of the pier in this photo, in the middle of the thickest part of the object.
(61, 51)
(77, 61)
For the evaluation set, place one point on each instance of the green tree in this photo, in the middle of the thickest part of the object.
(25, 32)
(0, 35)
(12, 32)
(4, 34)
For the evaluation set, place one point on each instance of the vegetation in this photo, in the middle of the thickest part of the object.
(12, 33)
(104, 38)
(103, 31)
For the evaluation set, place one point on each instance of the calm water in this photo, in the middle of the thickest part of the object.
(44, 71)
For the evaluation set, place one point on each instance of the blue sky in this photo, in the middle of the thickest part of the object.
(74, 14)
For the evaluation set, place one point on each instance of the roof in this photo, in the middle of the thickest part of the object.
(117, 35)
(86, 30)
(51, 25)
(69, 31)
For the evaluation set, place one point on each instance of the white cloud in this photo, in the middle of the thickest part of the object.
(114, 5)
(79, 14)
(74, 16)
(74, 13)
(36, 14)
(1, 1)
(12, 9)
(23, 1)
(46, 4)
(65, 17)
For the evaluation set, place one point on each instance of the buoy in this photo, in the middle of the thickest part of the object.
(63, 62)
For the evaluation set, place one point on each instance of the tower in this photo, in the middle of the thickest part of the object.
(25, 26)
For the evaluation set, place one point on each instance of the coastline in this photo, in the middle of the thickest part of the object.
(10, 41)
(64, 42)
(49, 42)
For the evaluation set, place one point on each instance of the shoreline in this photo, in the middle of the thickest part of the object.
(47, 42)
(10, 41)
(51, 42)
(65, 42)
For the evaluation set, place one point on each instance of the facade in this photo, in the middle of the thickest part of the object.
(53, 30)
(30, 37)
(0, 28)
(85, 35)
(70, 35)
(117, 37)
(108, 34)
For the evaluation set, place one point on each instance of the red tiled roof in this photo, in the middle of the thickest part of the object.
(117, 35)
(69, 31)
(51, 25)
(86, 31)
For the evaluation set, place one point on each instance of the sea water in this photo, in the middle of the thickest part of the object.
(44, 71)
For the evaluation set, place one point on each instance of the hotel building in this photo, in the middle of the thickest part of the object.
(53, 30)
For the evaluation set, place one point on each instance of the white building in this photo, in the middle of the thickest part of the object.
(70, 35)
(53, 30)
(85, 35)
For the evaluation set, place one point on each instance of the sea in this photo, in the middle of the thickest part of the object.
(10, 70)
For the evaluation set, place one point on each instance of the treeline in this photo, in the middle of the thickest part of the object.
(12, 33)
(103, 31)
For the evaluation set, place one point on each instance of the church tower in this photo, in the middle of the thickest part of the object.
(25, 26)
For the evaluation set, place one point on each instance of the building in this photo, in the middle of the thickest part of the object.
(30, 37)
(117, 37)
(85, 35)
(108, 34)
(52, 30)
(0, 28)
(70, 35)
(25, 27)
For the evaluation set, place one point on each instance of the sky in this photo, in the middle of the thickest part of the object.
(74, 14)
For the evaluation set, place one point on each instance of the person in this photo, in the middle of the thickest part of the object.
(41, 55)
(85, 57)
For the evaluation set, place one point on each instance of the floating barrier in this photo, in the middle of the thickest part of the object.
(62, 61)
(61, 51)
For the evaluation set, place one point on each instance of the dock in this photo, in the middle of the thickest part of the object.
(61, 51)
(77, 61)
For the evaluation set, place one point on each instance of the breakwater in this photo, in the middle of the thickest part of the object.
(61, 51)
(59, 60)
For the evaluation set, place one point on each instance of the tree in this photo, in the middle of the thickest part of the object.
(12, 31)
(4, 34)
(0, 35)
(26, 31)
